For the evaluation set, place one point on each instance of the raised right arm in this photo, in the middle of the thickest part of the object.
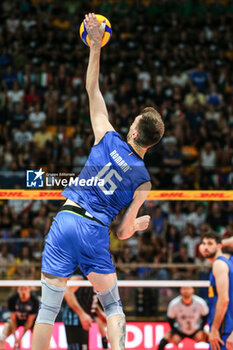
(98, 111)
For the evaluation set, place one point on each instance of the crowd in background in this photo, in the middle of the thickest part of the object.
(174, 55)
(172, 237)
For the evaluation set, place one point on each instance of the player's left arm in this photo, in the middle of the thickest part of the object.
(221, 274)
(130, 223)
(98, 110)
(13, 322)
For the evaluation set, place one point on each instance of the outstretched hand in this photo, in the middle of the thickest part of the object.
(86, 321)
(17, 344)
(94, 29)
(215, 340)
(229, 342)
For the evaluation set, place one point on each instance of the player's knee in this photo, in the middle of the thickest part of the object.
(168, 336)
(200, 336)
(175, 339)
(111, 301)
(50, 304)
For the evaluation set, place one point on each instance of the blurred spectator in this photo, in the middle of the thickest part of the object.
(190, 240)
(214, 98)
(69, 100)
(159, 221)
(171, 157)
(143, 272)
(176, 217)
(182, 257)
(51, 103)
(179, 78)
(5, 258)
(27, 271)
(78, 138)
(145, 248)
(22, 136)
(198, 217)
(208, 157)
(79, 159)
(126, 257)
(194, 96)
(36, 117)
(15, 96)
(212, 115)
(5, 217)
(172, 238)
(8, 155)
(42, 137)
(162, 256)
(32, 97)
(25, 158)
(180, 179)
(200, 78)
(17, 116)
(41, 221)
(9, 77)
(216, 218)
(195, 117)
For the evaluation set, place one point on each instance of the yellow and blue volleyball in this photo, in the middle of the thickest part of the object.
(107, 35)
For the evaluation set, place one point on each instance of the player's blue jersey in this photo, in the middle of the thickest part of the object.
(109, 178)
(227, 324)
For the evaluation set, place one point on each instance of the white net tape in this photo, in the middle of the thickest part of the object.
(124, 283)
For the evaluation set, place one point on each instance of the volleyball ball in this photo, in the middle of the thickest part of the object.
(106, 37)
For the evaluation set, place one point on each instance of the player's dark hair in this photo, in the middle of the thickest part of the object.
(212, 235)
(150, 127)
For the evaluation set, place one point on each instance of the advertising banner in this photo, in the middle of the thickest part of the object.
(139, 336)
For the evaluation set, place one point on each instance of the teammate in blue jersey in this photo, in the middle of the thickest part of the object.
(113, 177)
(220, 292)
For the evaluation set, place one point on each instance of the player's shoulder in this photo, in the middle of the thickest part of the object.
(13, 297)
(174, 302)
(198, 300)
(109, 135)
(34, 297)
(12, 301)
(221, 265)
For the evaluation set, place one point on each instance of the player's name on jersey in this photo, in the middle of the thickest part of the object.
(120, 161)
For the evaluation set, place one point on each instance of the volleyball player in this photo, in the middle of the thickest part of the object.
(79, 233)
(187, 316)
(23, 307)
(220, 292)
